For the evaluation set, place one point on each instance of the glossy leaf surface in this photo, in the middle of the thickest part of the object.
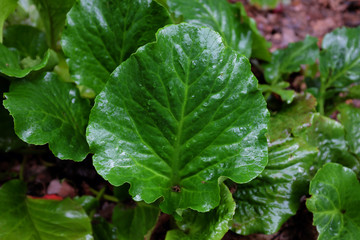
(6, 8)
(101, 34)
(218, 15)
(12, 66)
(25, 218)
(340, 58)
(289, 60)
(350, 118)
(55, 114)
(53, 14)
(212, 225)
(29, 41)
(329, 136)
(265, 203)
(335, 202)
(134, 222)
(8, 139)
(176, 116)
(292, 118)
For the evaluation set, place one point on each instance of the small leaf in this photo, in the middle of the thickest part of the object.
(6, 8)
(212, 225)
(289, 60)
(101, 34)
(265, 3)
(27, 218)
(340, 58)
(335, 202)
(292, 117)
(286, 95)
(134, 222)
(53, 14)
(268, 201)
(350, 118)
(29, 41)
(88, 203)
(12, 66)
(47, 110)
(176, 116)
(102, 230)
(329, 136)
(218, 15)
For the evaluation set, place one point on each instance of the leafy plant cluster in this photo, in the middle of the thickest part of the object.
(162, 94)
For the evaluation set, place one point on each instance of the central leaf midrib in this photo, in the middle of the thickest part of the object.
(176, 155)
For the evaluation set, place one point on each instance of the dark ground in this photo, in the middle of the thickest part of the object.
(287, 23)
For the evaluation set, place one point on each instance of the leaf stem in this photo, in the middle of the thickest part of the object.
(22, 167)
(103, 195)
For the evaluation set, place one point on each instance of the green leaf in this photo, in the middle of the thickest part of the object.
(6, 8)
(218, 15)
(329, 136)
(53, 15)
(268, 201)
(289, 60)
(101, 34)
(350, 118)
(286, 95)
(29, 41)
(102, 230)
(88, 203)
(293, 117)
(335, 202)
(47, 110)
(25, 218)
(212, 225)
(8, 139)
(265, 3)
(134, 222)
(176, 116)
(260, 47)
(13, 66)
(340, 58)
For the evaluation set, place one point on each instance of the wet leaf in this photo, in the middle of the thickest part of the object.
(101, 34)
(27, 218)
(47, 110)
(335, 202)
(207, 226)
(176, 116)
(350, 118)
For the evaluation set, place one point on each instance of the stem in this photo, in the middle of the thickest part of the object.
(22, 167)
(322, 98)
(105, 196)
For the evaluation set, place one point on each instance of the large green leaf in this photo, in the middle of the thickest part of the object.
(47, 110)
(134, 222)
(12, 65)
(25, 218)
(265, 203)
(29, 41)
(335, 203)
(176, 116)
(101, 34)
(53, 14)
(340, 57)
(6, 7)
(212, 225)
(350, 118)
(329, 136)
(289, 60)
(218, 15)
